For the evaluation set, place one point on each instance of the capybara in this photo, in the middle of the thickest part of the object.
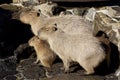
(83, 48)
(44, 54)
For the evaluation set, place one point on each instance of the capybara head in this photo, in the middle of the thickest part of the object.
(47, 31)
(33, 40)
(29, 16)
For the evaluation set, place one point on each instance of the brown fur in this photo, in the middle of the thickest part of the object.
(43, 52)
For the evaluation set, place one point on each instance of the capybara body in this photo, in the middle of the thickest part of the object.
(68, 23)
(83, 48)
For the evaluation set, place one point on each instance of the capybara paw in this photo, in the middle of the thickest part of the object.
(89, 73)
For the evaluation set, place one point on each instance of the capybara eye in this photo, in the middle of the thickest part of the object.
(38, 14)
(39, 10)
(54, 29)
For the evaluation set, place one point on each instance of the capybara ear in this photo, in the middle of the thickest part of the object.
(38, 14)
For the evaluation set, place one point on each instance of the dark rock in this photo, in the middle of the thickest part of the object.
(7, 66)
(12, 34)
(23, 51)
(10, 77)
(29, 70)
(57, 10)
(12, 31)
(115, 60)
(5, 1)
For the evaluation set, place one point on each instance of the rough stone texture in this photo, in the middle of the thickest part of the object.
(107, 20)
(8, 67)
(46, 9)
(28, 70)
(37, 72)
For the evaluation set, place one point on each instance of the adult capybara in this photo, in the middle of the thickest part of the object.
(68, 23)
(82, 48)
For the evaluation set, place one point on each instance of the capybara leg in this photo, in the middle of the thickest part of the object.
(89, 68)
(66, 66)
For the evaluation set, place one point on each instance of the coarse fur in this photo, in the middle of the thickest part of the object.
(68, 23)
(44, 54)
(82, 48)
